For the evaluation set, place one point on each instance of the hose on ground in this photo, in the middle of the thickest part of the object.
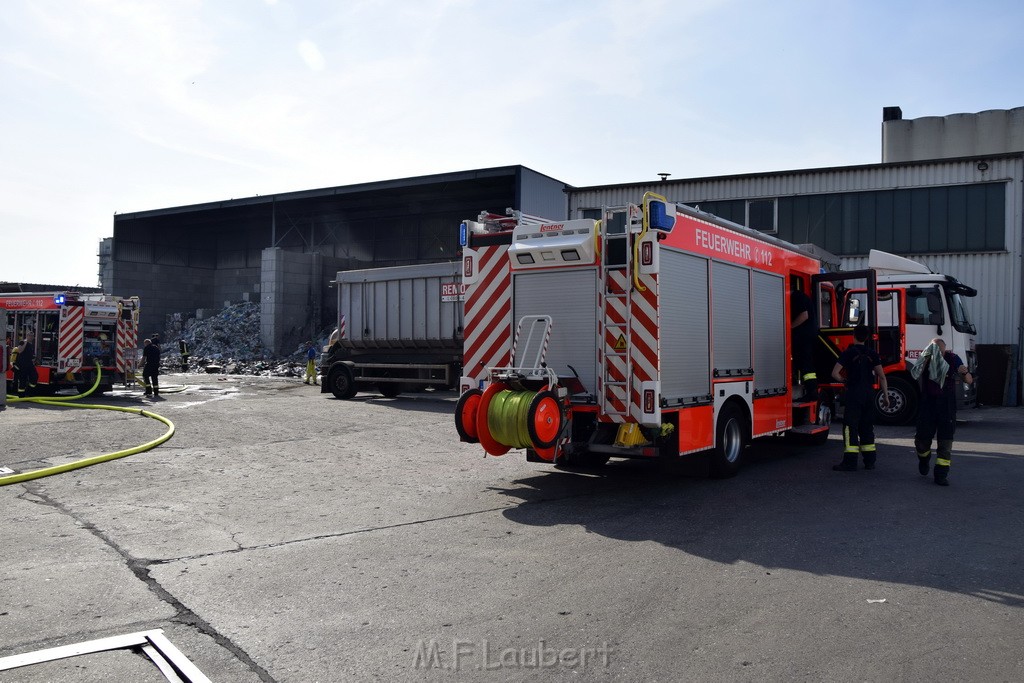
(66, 402)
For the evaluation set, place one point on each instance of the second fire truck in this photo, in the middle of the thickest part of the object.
(72, 334)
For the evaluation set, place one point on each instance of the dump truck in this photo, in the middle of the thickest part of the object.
(399, 329)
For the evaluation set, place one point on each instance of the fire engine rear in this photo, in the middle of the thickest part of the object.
(657, 331)
(72, 334)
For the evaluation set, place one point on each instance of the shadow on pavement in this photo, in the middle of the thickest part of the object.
(788, 509)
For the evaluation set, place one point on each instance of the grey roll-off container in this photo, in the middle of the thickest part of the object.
(402, 330)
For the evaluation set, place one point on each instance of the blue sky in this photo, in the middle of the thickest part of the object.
(117, 106)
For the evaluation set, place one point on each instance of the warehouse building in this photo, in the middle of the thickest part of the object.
(948, 193)
(284, 250)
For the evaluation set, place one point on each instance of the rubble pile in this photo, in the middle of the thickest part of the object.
(227, 343)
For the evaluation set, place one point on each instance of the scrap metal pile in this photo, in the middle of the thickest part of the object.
(227, 343)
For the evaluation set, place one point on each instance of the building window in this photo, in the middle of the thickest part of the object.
(762, 215)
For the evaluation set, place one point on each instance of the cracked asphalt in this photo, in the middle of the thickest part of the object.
(283, 535)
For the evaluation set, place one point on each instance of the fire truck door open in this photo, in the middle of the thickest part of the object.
(832, 340)
(570, 298)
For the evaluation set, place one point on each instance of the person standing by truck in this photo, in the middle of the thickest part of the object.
(310, 364)
(23, 363)
(862, 366)
(936, 370)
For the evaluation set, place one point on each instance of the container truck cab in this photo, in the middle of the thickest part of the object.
(658, 331)
(914, 305)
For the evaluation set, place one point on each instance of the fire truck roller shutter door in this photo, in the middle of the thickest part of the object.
(769, 332)
(570, 298)
(685, 326)
(730, 312)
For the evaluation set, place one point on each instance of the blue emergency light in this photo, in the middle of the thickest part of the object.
(463, 234)
(659, 217)
(58, 299)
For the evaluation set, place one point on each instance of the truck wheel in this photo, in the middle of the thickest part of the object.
(730, 441)
(341, 383)
(389, 389)
(902, 403)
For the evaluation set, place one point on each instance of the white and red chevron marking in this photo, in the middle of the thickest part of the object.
(645, 339)
(119, 344)
(342, 327)
(71, 335)
(488, 313)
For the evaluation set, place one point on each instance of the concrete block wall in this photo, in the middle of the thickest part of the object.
(291, 285)
(235, 285)
(163, 290)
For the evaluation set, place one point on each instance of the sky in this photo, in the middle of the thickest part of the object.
(111, 106)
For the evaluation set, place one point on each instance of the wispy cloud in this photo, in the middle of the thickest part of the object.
(311, 55)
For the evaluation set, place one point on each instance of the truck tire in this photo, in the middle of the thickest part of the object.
(341, 382)
(731, 435)
(902, 402)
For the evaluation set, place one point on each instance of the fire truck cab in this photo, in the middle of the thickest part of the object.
(72, 334)
(658, 331)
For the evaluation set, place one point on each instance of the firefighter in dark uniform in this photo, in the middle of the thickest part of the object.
(183, 350)
(151, 367)
(936, 369)
(24, 366)
(862, 366)
(805, 331)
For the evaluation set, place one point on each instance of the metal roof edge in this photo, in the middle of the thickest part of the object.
(372, 186)
(818, 170)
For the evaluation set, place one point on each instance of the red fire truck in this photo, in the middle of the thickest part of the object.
(72, 333)
(657, 331)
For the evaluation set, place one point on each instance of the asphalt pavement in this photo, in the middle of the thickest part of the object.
(284, 535)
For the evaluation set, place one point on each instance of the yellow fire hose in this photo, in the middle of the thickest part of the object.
(507, 418)
(95, 460)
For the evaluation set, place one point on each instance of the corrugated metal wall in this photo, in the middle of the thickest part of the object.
(997, 310)
(817, 181)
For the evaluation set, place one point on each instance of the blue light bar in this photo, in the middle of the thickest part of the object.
(463, 234)
(58, 299)
(660, 217)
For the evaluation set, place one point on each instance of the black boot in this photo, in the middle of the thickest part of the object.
(943, 452)
(923, 463)
(849, 463)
